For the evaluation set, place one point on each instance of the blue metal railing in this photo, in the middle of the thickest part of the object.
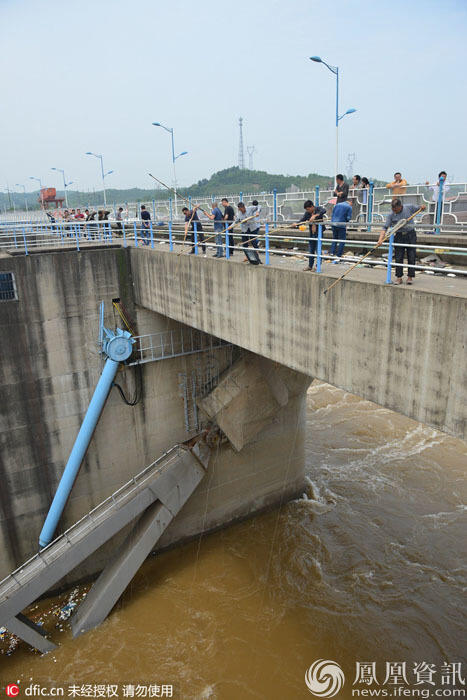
(79, 235)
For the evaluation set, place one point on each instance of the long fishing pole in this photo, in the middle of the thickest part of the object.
(398, 226)
(177, 193)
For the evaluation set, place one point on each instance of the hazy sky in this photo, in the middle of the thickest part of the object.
(92, 75)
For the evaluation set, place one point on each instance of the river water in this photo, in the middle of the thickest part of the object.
(368, 566)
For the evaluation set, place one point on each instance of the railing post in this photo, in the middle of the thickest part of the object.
(317, 196)
(171, 243)
(136, 235)
(195, 236)
(274, 216)
(14, 235)
(227, 249)
(439, 205)
(25, 244)
(266, 243)
(370, 205)
(154, 209)
(170, 210)
(152, 236)
(389, 270)
(318, 252)
(124, 234)
(77, 239)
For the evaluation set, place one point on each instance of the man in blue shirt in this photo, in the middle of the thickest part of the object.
(218, 218)
(341, 214)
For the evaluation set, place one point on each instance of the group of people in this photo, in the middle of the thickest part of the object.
(224, 221)
(87, 215)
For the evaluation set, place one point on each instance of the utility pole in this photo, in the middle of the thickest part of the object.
(251, 150)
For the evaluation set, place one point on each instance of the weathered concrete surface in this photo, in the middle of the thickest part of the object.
(49, 367)
(402, 348)
(234, 403)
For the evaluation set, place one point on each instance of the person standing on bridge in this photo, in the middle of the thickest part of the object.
(217, 216)
(191, 219)
(314, 215)
(342, 189)
(145, 224)
(249, 230)
(229, 218)
(398, 185)
(405, 237)
(341, 215)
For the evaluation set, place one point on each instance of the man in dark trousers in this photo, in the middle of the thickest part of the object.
(405, 237)
(192, 216)
(145, 224)
(248, 218)
(229, 217)
(314, 215)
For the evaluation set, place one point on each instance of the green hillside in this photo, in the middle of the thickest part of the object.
(229, 181)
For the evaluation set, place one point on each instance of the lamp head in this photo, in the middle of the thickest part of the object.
(351, 110)
(89, 153)
(156, 123)
(316, 59)
(184, 153)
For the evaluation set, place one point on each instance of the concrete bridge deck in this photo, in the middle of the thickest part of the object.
(401, 347)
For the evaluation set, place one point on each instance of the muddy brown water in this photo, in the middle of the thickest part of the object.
(368, 566)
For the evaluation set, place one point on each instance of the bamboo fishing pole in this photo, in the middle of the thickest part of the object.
(187, 226)
(400, 224)
(176, 193)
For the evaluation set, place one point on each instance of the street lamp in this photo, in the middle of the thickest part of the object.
(25, 198)
(335, 70)
(65, 183)
(31, 177)
(11, 199)
(104, 175)
(174, 157)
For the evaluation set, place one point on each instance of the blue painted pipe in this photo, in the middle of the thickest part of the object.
(79, 450)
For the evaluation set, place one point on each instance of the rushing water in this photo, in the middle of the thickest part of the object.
(367, 566)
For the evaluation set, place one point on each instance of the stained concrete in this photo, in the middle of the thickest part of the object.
(403, 348)
(49, 366)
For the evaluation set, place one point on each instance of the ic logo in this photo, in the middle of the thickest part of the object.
(324, 678)
(12, 690)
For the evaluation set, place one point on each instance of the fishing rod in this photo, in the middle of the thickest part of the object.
(176, 193)
(398, 226)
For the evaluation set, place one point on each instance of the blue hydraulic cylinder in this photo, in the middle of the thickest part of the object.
(79, 450)
(117, 347)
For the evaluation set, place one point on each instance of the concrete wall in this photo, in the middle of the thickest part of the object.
(402, 348)
(49, 366)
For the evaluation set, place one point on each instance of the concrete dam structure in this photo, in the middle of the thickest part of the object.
(223, 357)
(50, 366)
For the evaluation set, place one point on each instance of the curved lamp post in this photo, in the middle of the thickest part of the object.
(104, 175)
(174, 157)
(335, 70)
(25, 198)
(65, 183)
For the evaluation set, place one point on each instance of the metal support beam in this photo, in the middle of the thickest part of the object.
(25, 629)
